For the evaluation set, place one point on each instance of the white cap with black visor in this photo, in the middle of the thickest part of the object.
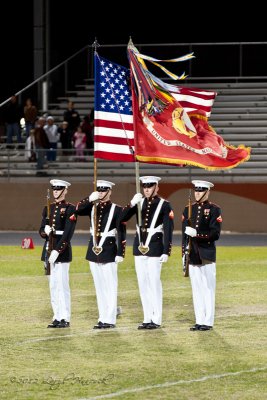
(149, 181)
(104, 186)
(202, 186)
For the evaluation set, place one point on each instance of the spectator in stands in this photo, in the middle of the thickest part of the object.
(65, 138)
(41, 145)
(30, 115)
(13, 115)
(30, 153)
(51, 131)
(79, 138)
(92, 122)
(92, 115)
(72, 116)
(2, 126)
(87, 128)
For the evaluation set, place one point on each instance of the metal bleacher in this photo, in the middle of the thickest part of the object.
(239, 115)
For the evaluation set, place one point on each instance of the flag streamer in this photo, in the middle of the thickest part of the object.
(156, 61)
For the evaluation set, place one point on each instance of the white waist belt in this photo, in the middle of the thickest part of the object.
(58, 232)
(109, 233)
(155, 230)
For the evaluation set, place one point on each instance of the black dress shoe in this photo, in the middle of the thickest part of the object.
(144, 325)
(107, 326)
(63, 324)
(195, 327)
(205, 328)
(54, 324)
(99, 325)
(152, 325)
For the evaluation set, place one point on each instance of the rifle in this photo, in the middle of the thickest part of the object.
(189, 239)
(50, 237)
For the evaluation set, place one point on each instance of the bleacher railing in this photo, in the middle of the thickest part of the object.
(219, 61)
(14, 164)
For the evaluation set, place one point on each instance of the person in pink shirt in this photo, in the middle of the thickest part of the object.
(79, 139)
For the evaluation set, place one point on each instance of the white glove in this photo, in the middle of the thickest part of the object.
(93, 196)
(47, 230)
(163, 258)
(136, 199)
(118, 259)
(190, 231)
(183, 260)
(53, 256)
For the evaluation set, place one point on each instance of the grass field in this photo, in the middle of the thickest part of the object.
(229, 362)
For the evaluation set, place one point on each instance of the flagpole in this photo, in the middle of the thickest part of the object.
(95, 45)
(137, 183)
(137, 173)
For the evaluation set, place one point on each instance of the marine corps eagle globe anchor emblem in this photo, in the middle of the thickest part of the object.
(143, 249)
(97, 250)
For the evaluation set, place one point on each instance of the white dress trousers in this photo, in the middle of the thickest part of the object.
(106, 286)
(203, 283)
(148, 270)
(60, 291)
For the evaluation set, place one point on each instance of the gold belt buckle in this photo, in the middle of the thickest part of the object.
(97, 250)
(143, 249)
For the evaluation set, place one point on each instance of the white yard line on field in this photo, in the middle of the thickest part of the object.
(175, 383)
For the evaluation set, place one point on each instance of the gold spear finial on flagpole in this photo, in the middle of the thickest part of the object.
(130, 43)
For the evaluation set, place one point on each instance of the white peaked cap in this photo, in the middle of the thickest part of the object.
(58, 182)
(203, 184)
(101, 183)
(149, 179)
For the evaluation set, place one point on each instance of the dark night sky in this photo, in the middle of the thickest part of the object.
(75, 24)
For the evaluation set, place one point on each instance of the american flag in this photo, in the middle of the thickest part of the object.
(191, 99)
(113, 119)
(195, 99)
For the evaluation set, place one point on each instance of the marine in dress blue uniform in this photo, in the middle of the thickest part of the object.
(61, 227)
(152, 246)
(106, 249)
(204, 230)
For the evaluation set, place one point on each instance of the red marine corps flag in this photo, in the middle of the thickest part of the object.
(171, 122)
